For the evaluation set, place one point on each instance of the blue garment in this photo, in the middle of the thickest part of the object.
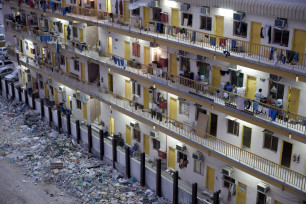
(228, 88)
(234, 43)
(48, 38)
(158, 27)
(64, 11)
(213, 41)
(41, 38)
(80, 48)
(122, 62)
(57, 47)
(44, 6)
(273, 114)
(51, 3)
(255, 106)
(273, 49)
(296, 57)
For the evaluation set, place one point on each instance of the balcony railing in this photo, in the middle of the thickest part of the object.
(260, 164)
(264, 111)
(237, 48)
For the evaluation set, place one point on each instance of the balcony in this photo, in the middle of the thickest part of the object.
(174, 128)
(177, 84)
(256, 54)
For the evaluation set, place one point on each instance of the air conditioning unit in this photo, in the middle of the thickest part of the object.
(134, 124)
(238, 16)
(154, 133)
(154, 3)
(228, 171)
(280, 23)
(180, 146)
(185, 7)
(263, 187)
(153, 44)
(182, 52)
(61, 88)
(197, 155)
(201, 58)
(205, 10)
(275, 77)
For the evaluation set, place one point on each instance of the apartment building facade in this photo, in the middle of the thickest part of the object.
(157, 73)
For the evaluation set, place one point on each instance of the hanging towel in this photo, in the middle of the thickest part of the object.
(193, 35)
(265, 110)
(255, 106)
(213, 41)
(222, 42)
(64, 11)
(273, 114)
(240, 103)
(273, 49)
(41, 38)
(121, 8)
(234, 42)
(80, 48)
(122, 62)
(116, 6)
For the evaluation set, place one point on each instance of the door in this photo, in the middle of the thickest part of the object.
(126, 11)
(55, 95)
(68, 101)
(255, 38)
(286, 154)
(109, 45)
(128, 89)
(277, 202)
(40, 24)
(174, 17)
(46, 90)
(68, 65)
(146, 55)
(146, 16)
(82, 71)
(146, 97)
(127, 50)
(50, 26)
(128, 135)
(65, 32)
(171, 158)
(24, 82)
(53, 59)
(241, 193)
(111, 125)
(84, 107)
(293, 100)
(81, 35)
(21, 46)
(110, 82)
(108, 5)
(146, 144)
(250, 87)
(173, 109)
(210, 179)
(298, 43)
(216, 76)
(173, 64)
(213, 125)
(219, 26)
(246, 138)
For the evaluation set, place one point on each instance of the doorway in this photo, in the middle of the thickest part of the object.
(241, 193)
(109, 45)
(108, 5)
(82, 71)
(173, 64)
(255, 38)
(146, 55)
(250, 87)
(110, 83)
(173, 108)
(293, 100)
(213, 125)
(146, 98)
(174, 17)
(171, 158)
(111, 125)
(210, 179)
(128, 89)
(216, 76)
(84, 107)
(246, 138)
(299, 42)
(286, 154)
(126, 11)
(128, 135)
(146, 16)
(127, 50)
(146, 144)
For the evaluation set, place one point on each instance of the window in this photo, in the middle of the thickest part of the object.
(75, 32)
(41, 84)
(26, 45)
(137, 135)
(185, 64)
(73, 1)
(186, 19)
(276, 90)
(133, 87)
(138, 89)
(281, 37)
(136, 12)
(29, 77)
(156, 13)
(233, 127)
(199, 110)
(184, 108)
(228, 181)
(62, 59)
(52, 91)
(205, 23)
(76, 65)
(198, 167)
(240, 29)
(237, 78)
(182, 159)
(270, 142)
(156, 144)
(60, 27)
(79, 104)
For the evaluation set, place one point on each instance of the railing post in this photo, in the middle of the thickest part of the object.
(50, 115)
(127, 162)
(42, 111)
(89, 134)
(194, 193)
(142, 170)
(78, 131)
(6, 89)
(26, 97)
(114, 148)
(59, 121)
(158, 177)
(175, 187)
(13, 90)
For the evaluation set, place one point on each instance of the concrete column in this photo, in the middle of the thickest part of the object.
(101, 144)
(194, 193)
(42, 110)
(50, 115)
(142, 170)
(114, 145)
(59, 120)
(175, 187)
(158, 177)
(19, 93)
(127, 162)
(89, 134)
(68, 125)
(13, 90)
(26, 97)
(78, 131)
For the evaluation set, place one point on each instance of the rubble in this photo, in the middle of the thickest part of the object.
(50, 157)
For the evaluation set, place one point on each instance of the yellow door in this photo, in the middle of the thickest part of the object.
(171, 158)
(109, 45)
(53, 59)
(128, 89)
(55, 95)
(63, 3)
(127, 48)
(81, 35)
(108, 6)
(255, 38)
(146, 55)
(68, 65)
(146, 97)
(216, 76)
(68, 100)
(241, 193)
(277, 202)
(293, 100)
(50, 26)
(110, 82)
(219, 25)
(24, 82)
(128, 135)
(146, 144)
(126, 11)
(174, 17)
(111, 125)
(173, 108)
(173, 64)
(46, 90)
(65, 32)
(20, 46)
(40, 24)
(82, 71)
(146, 16)
(298, 43)
(84, 107)
(250, 87)
(210, 179)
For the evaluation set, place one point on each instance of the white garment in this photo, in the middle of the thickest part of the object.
(258, 96)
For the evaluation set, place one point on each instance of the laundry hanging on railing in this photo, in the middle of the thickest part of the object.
(160, 27)
(57, 47)
(120, 62)
(68, 32)
(45, 39)
(273, 114)
(66, 10)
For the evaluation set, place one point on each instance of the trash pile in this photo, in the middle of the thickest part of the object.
(47, 156)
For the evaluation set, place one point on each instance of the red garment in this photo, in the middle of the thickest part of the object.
(198, 63)
(121, 8)
(222, 41)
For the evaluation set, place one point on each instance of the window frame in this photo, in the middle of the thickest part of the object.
(76, 65)
(206, 22)
(136, 135)
(235, 27)
(227, 179)
(201, 164)
(281, 38)
(154, 143)
(184, 15)
(271, 142)
(236, 126)
(78, 104)
(62, 60)
(75, 33)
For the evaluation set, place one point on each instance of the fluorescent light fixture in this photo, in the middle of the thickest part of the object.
(231, 118)
(226, 12)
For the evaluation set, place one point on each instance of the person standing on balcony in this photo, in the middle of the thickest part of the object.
(258, 95)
